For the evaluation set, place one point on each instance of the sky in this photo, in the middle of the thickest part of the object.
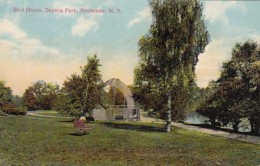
(51, 46)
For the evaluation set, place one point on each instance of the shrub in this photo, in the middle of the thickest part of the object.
(12, 110)
(2, 113)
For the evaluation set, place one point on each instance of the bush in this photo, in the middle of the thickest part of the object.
(12, 110)
(2, 113)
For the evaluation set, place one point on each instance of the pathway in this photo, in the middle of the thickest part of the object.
(240, 137)
(34, 113)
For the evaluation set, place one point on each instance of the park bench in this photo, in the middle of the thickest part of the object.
(81, 127)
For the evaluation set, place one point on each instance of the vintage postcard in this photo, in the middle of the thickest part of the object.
(129, 82)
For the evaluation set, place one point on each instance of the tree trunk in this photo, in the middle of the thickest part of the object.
(235, 126)
(254, 127)
(212, 121)
(169, 115)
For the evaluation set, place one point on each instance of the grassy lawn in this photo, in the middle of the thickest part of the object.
(50, 141)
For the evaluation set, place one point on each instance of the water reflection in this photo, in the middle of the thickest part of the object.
(195, 118)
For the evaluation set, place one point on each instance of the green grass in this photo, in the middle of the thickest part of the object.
(50, 141)
(47, 112)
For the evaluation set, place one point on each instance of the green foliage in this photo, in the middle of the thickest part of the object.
(2, 113)
(9, 104)
(5, 95)
(236, 93)
(212, 99)
(168, 55)
(11, 109)
(30, 99)
(17, 101)
(66, 105)
(41, 95)
(81, 93)
(197, 97)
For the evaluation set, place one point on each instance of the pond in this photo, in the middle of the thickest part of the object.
(195, 118)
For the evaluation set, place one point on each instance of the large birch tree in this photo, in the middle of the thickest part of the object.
(169, 52)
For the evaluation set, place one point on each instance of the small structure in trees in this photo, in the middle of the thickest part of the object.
(127, 111)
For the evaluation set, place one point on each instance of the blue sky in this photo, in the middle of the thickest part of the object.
(51, 46)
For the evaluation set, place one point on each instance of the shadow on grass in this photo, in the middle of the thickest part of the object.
(136, 127)
(71, 121)
(78, 135)
(67, 121)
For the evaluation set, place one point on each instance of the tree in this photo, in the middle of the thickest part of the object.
(237, 90)
(30, 99)
(210, 107)
(17, 101)
(5, 95)
(241, 80)
(169, 53)
(41, 95)
(6, 101)
(82, 92)
(50, 96)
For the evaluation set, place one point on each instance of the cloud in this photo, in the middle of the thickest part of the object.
(84, 25)
(216, 10)
(144, 14)
(25, 59)
(210, 62)
(15, 43)
(8, 27)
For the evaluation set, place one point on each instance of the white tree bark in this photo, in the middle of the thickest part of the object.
(169, 114)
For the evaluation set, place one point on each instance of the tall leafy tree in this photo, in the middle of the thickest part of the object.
(213, 100)
(238, 88)
(5, 94)
(169, 53)
(41, 95)
(30, 99)
(49, 98)
(17, 101)
(7, 104)
(82, 92)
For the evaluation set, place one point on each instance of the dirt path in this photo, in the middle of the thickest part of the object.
(47, 116)
(240, 137)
